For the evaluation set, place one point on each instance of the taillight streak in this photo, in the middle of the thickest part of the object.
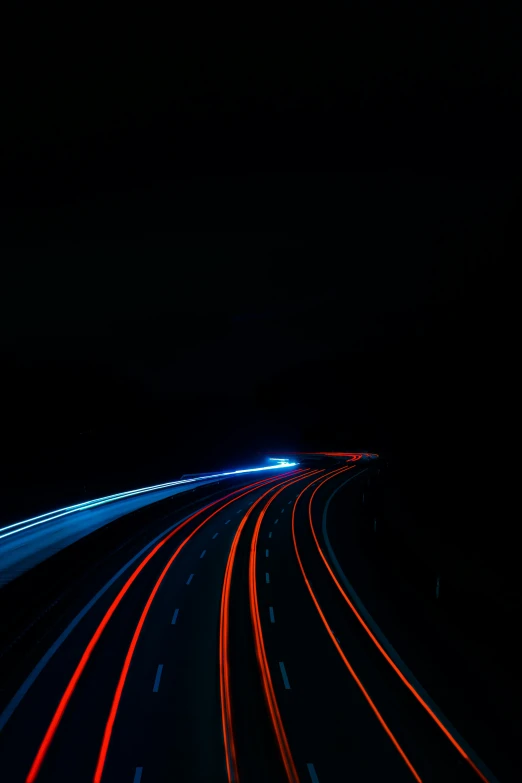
(338, 647)
(268, 686)
(383, 652)
(128, 658)
(62, 705)
(224, 667)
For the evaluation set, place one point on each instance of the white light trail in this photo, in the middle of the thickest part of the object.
(18, 527)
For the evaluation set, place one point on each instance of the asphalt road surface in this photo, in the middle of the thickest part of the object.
(231, 649)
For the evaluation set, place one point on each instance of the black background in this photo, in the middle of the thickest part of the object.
(221, 237)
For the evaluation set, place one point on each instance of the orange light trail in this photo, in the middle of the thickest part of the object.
(268, 686)
(338, 647)
(381, 649)
(62, 705)
(224, 667)
(130, 652)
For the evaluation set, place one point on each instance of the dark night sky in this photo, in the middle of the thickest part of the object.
(228, 243)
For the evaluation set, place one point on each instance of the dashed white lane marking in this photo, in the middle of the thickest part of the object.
(270, 534)
(29, 681)
(284, 675)
(228, 520)
(137, 774)
(158, 678)
(239, 512)
(267, 575)
(290, 501)
(175, 617)
(271, 611)
(266, 552)
(277, 520)
(189, 580)
(203, 554)
(313, 773)
(215, 535)
(282, 511)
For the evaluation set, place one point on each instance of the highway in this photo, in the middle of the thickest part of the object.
(230, 648)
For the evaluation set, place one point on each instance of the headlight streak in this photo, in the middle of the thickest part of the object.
(26, 524)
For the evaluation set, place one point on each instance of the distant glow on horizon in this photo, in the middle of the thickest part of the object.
(88, 504)
(355, 455)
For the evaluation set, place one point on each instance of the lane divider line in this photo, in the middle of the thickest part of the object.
(155, 689)
(267, 577)
(202, 555)
(175, 617)
(284, 675)
(189, 580)
(137, 774)
(271, 613)
(215, 535)
(313, 773)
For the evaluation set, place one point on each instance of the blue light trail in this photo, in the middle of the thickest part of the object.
(18, 527)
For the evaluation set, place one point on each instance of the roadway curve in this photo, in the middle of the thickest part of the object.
(231, 650)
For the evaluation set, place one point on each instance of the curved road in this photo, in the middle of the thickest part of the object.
(231, 649)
